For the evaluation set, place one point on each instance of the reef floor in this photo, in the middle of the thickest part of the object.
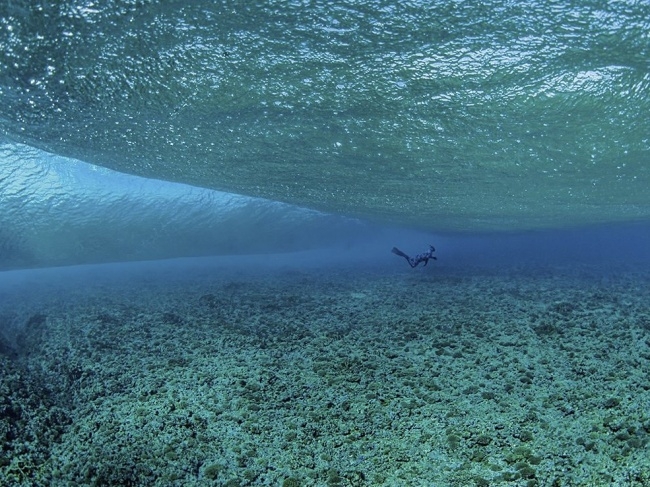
(332, 377)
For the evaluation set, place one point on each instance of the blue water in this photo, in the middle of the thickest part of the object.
(443, 116)
(197, 208)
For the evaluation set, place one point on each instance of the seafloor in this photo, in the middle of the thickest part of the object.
(330, 377)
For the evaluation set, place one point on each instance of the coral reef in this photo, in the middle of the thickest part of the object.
(334, 378)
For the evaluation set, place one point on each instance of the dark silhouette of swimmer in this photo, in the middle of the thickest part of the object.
(415, 261)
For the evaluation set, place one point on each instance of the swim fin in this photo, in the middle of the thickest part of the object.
(397, 251)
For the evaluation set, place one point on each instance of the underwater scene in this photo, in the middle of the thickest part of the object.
(338, 244)
(341, 368)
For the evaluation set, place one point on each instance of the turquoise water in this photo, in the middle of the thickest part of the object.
(59, 211)
(259, 160)
(440, 115)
